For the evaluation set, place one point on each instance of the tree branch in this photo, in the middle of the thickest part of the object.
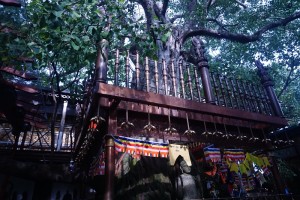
(158, 13)
(165, 7)
(240, 37)
(172, 20)
(241, 4)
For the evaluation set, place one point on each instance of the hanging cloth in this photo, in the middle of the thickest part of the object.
(212, 154)
(175, 150)
(137, 147)
(234, 155)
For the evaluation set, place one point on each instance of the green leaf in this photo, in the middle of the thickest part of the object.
(104, 34)
(58, 13)
(75, 47)
(85, 38)
(75, 15)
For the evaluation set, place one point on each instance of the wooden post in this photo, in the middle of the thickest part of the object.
(202, 64)
(109, 168)
(101, 61)
(268, 85)
(110, 154)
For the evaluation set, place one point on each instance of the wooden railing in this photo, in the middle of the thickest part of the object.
(183, 80)
(240, 94)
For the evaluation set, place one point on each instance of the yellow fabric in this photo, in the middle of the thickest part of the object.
(234, 167)
(243, 169)
(266, 161)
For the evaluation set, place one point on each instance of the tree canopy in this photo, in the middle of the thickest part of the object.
(61, 36)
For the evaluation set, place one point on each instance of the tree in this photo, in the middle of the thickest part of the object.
(62, 35)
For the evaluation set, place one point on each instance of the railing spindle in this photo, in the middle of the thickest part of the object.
(173, 78)
(235, 93)
(258, 98)
(165, 76)
(190, 82)
(156, 76)
(137, 66)
(253, 98)
(241, 94)
(222, 90)
(266, 100)
(229, 92)
(197, 83)
(147, 74)
(127, 70)
(215, 85)
(181, 79)
(117, 68)
(246, 94)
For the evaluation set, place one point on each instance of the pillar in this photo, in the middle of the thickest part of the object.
(110, 152)
(109, 168)
(202, 64)
(101, 61)
(268, 84)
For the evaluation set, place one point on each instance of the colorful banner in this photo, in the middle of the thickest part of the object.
(212, 154)
(140, 147)
(234, 155)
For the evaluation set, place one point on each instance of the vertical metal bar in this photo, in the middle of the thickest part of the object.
(127, 69)
(61, 128)
(165, 76)
(197, 83)
(147, 74)
(156, 76)
(137, 66)
(190, 81)
(117, 68)
(173, 78)
(181, 79)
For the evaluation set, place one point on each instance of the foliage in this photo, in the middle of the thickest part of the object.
(62, 36)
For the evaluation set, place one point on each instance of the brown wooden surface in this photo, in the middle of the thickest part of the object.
(196, 108)
(18, 73)
(10, 3)
(22, 87)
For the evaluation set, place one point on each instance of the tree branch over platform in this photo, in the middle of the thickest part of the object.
(241, 37)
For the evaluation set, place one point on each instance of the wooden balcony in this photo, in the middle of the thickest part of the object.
(185, 94)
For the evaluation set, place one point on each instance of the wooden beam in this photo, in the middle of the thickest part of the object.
(179, 104)
(22, 87)
(15, 72)
(15, 3)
